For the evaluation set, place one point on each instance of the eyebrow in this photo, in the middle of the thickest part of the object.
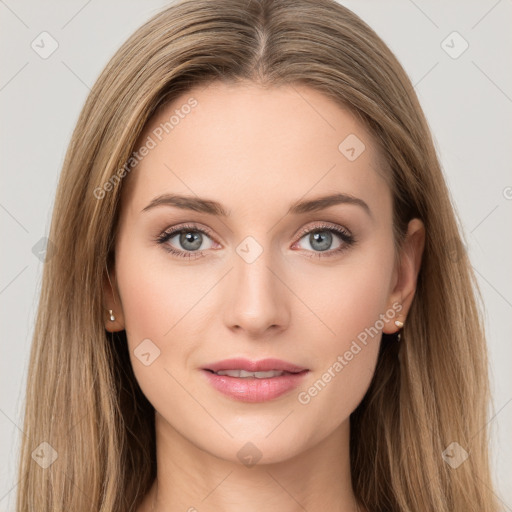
(214, 208)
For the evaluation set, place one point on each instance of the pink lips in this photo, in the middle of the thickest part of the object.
(253, 389)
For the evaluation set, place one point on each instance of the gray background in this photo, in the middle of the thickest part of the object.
(467, 101)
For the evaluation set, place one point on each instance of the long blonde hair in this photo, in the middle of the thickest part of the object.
(428, 391)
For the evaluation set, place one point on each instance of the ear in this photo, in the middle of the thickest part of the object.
(112, 301)
(406, 274)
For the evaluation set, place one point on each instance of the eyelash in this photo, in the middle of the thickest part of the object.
(347, 238)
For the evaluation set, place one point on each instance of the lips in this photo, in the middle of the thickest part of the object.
(254, 381)
(257, 375)
(264, 365)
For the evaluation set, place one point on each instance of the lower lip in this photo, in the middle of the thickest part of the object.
(251, 389)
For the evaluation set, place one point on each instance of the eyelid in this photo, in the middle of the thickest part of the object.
(182, 227)
(322, 225)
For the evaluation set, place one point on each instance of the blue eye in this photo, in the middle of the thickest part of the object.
(188, 239)
(320, 238)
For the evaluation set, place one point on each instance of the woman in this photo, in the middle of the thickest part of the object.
(259, 297)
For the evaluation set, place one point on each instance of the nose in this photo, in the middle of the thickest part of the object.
(257, 298)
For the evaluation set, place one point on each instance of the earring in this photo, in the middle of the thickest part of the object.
(112, 317)
(399, 325)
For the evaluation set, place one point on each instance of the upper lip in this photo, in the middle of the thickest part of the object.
(263, 365)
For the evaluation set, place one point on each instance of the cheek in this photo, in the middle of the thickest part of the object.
(158, 301)
(350, 301)
(168, 303)
(155, 294)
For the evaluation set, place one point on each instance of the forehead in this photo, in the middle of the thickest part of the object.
(246, 146)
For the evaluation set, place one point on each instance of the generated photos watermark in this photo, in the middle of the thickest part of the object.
(305, 397)
(151, 142)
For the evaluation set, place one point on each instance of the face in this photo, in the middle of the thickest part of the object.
(312, 285)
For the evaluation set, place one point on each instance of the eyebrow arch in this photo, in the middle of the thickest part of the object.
(324, 202)
(188, 203)
(214, 208)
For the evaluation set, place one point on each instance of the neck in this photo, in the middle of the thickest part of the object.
(191, 479)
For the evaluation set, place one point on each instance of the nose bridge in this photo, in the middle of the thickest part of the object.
(256, 294)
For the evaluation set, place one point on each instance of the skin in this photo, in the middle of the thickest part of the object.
(256, 151)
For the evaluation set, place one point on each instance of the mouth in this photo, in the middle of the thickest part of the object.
(243, 374)
(254, 381)
(241, 364)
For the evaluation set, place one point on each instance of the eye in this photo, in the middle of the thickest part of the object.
(190, 237)
(320, 239)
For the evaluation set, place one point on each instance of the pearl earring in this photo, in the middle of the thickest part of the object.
(112, 317)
